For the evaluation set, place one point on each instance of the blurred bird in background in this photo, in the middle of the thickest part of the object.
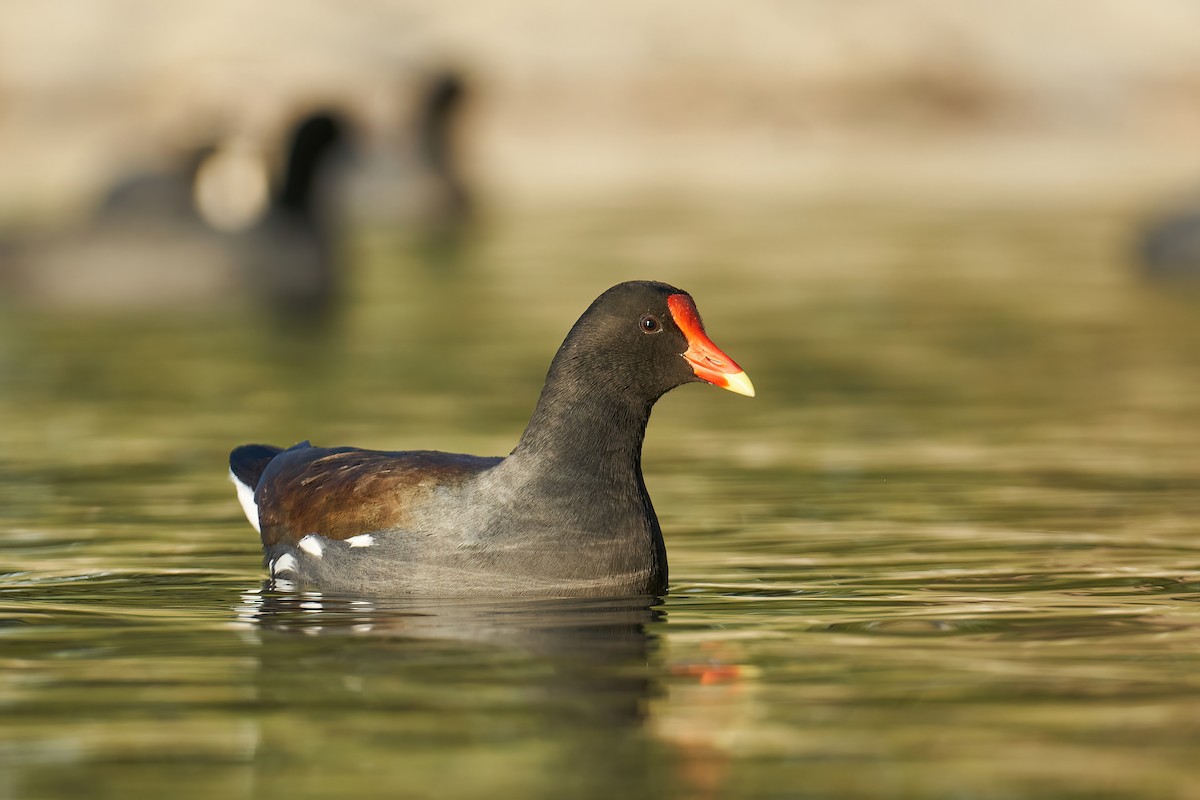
(1169, 247)
(222, 229)
(414, 180)
(151, 245)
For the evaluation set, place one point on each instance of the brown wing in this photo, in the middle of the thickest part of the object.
(342, 492)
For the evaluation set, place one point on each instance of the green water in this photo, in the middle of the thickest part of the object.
(950, 550)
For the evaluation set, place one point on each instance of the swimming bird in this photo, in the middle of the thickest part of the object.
(148, 248)
(1170, 245)
(411, 180)
(566, 513)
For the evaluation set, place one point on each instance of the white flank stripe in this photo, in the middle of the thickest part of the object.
(362, 540)
(245, 495)
(311, 544)
(285, 563)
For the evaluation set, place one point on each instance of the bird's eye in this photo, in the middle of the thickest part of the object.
(650, 324)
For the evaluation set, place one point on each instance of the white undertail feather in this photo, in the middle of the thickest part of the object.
(245, 495)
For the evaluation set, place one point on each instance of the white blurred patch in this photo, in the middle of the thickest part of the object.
(231, 190)
(362, 540)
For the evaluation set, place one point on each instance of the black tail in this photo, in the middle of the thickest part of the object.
(248, 462)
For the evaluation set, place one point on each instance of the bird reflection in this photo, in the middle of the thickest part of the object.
(590, 655)
(616, 625)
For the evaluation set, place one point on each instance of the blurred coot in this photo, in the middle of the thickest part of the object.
(148, 247)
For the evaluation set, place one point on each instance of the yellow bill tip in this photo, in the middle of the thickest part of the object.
(739, 383)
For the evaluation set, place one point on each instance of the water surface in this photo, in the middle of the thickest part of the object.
(950, 550)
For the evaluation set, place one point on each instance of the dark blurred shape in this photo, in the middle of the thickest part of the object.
(1169, 248)
(412, 182)
(160, 192)
(437, 144)
(294, 263)
(149, 247)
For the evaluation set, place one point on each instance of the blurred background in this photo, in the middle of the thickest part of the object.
(949, 550)
(125, 123)
(1082, 98)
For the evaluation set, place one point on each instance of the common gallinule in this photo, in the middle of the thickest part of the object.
(565, 514)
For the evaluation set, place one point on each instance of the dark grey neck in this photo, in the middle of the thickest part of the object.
(586, 428)
(576, 477)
